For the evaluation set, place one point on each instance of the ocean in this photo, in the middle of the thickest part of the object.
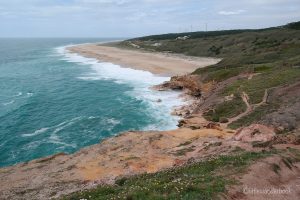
(53, 101)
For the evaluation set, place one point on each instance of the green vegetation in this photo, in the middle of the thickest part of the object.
(256, 87)
(272, 58)
(201, 180)
(295, 25)
(227, 109)
(271, 55)
(254, 116)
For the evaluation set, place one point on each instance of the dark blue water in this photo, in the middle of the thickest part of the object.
(52, 101)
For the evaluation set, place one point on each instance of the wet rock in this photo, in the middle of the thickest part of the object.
(191, 83)
(181, 123)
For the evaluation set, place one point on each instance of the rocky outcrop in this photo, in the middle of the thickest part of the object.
(198, 122)
(190, 83)
(124, 155)
(255, 133)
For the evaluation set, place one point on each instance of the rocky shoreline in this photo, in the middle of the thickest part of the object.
(134, 153)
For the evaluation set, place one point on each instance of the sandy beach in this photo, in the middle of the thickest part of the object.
(156, 63)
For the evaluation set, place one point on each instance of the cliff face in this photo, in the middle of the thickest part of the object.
(280, 105)
(132, 153)
(125, 155)
(190, 83)
(249, 102)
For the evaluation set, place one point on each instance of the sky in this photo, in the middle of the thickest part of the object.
(131, 18)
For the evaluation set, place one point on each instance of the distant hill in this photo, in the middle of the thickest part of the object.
(203, 34)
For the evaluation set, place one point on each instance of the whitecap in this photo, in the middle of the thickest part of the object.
(54, 139)
(112, 121)
(8, 103)
(32, 145)
(65, 124)
(37, 132)
(29, 94)
(57, 128)
(92, 117)
(19, 94)
(13, 155)
(140, 80)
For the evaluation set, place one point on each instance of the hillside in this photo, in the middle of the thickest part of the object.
(255, 62)
(239, 135)
(255, 89)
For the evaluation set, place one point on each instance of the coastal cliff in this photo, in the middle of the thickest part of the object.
(242, 124)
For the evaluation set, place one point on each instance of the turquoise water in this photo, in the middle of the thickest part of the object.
(53, 101)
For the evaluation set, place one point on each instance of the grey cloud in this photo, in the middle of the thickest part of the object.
(140, 17)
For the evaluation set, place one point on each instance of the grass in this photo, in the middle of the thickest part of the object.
(272, 54)
(226, 109)
(201, 180)
(256, 87)
(223, 74)
(254, 116)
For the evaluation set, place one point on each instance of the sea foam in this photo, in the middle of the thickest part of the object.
(140, 80)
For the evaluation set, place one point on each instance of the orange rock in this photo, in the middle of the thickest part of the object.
(213, 125)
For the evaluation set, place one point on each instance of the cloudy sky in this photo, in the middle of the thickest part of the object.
(129, 18)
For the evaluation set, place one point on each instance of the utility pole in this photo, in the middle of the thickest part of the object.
(206, 27)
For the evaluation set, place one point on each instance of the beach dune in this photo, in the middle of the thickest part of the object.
(164, 64)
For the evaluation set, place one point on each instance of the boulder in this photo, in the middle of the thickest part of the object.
(213, 125)
(191, 83)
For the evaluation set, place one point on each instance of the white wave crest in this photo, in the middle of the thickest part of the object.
(29, 94)
(56, 128)
(8, 103)
(37, 132)
(160, 104)
(19, 94)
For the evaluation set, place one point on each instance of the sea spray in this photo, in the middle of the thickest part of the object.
(160, 104)
(52, 101)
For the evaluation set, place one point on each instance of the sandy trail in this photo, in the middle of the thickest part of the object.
(250, 107)
(156, 63)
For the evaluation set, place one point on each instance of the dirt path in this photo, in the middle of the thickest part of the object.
(264, 100)
(250, 107)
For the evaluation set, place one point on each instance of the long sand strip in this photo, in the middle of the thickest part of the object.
(156, 63)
